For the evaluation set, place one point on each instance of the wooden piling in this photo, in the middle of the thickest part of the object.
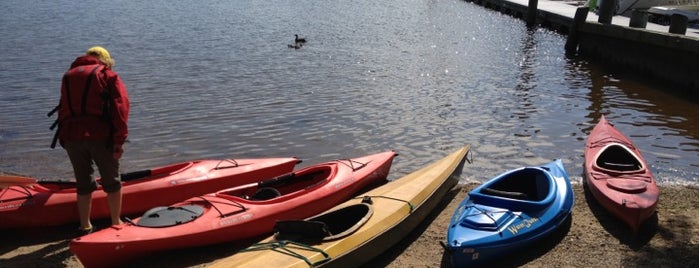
(664, 56)
(606, 11)
(639, 19)
(678, 24)
(571, 46)
(532, 12)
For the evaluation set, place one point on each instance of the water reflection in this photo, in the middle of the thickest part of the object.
(597, 99)
(421, 77)
(659, 123)
(526, 82)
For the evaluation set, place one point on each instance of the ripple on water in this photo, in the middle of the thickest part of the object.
(423, 78)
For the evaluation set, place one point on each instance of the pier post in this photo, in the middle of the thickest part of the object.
(678, 24)
(571, 46)
(639, 19)
(532, 12)
(606, 11)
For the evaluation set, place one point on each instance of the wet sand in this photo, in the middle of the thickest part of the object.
(592, 239)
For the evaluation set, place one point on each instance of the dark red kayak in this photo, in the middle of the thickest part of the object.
(618, 176)
(26, 202)
(233, 214)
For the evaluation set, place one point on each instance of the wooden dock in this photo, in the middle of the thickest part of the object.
(651, 51)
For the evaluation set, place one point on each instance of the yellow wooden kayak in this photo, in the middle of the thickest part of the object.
(393, 211)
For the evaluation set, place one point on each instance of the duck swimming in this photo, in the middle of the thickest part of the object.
(300, 39)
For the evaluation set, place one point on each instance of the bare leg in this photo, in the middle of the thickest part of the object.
(114, 200)
(84, 207)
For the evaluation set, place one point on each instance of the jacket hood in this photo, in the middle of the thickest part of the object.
(85, 60)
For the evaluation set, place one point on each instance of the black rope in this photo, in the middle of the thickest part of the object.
(350, 163)
(390, 198)
(287, 247)
(24, 190)
(236, 204)
(232, 161)
(485, 212)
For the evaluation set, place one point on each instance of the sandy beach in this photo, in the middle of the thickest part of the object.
(592, 239)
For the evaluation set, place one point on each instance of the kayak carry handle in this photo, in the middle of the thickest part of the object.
(446, 248)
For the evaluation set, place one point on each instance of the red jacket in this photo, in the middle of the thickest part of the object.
(83, 113)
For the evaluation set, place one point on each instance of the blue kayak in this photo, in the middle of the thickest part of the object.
(509, 212)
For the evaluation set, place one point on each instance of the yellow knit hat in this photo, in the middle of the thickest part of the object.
(102, 54)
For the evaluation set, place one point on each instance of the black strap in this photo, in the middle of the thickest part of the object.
(83, 106)
(55, 109)
(55, 136)
(108, 109)
(66, 85)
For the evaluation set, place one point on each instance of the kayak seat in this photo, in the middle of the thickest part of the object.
(306, 231)
(325, 227)
(506, 194)
(528, 184)
(620, 166)
(616, 157)
(265, 193)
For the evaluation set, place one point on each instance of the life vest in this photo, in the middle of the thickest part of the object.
(84, 105)
(83, 92)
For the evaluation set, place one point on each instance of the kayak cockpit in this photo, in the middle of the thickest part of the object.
(528, 184)
(283, 185)
(327, 226)
(618, 158)
(524, 189)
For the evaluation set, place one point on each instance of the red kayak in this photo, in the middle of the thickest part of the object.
(26, 202)
(233, 214)
(618, 177)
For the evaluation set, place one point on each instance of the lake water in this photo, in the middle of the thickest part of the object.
(215, 79)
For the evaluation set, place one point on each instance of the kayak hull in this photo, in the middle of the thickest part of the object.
(618, 177)
(236, 214)
(47, 203)
(509, 212)
(398, 207)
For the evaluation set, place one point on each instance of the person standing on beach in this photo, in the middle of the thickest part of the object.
(92, 115)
